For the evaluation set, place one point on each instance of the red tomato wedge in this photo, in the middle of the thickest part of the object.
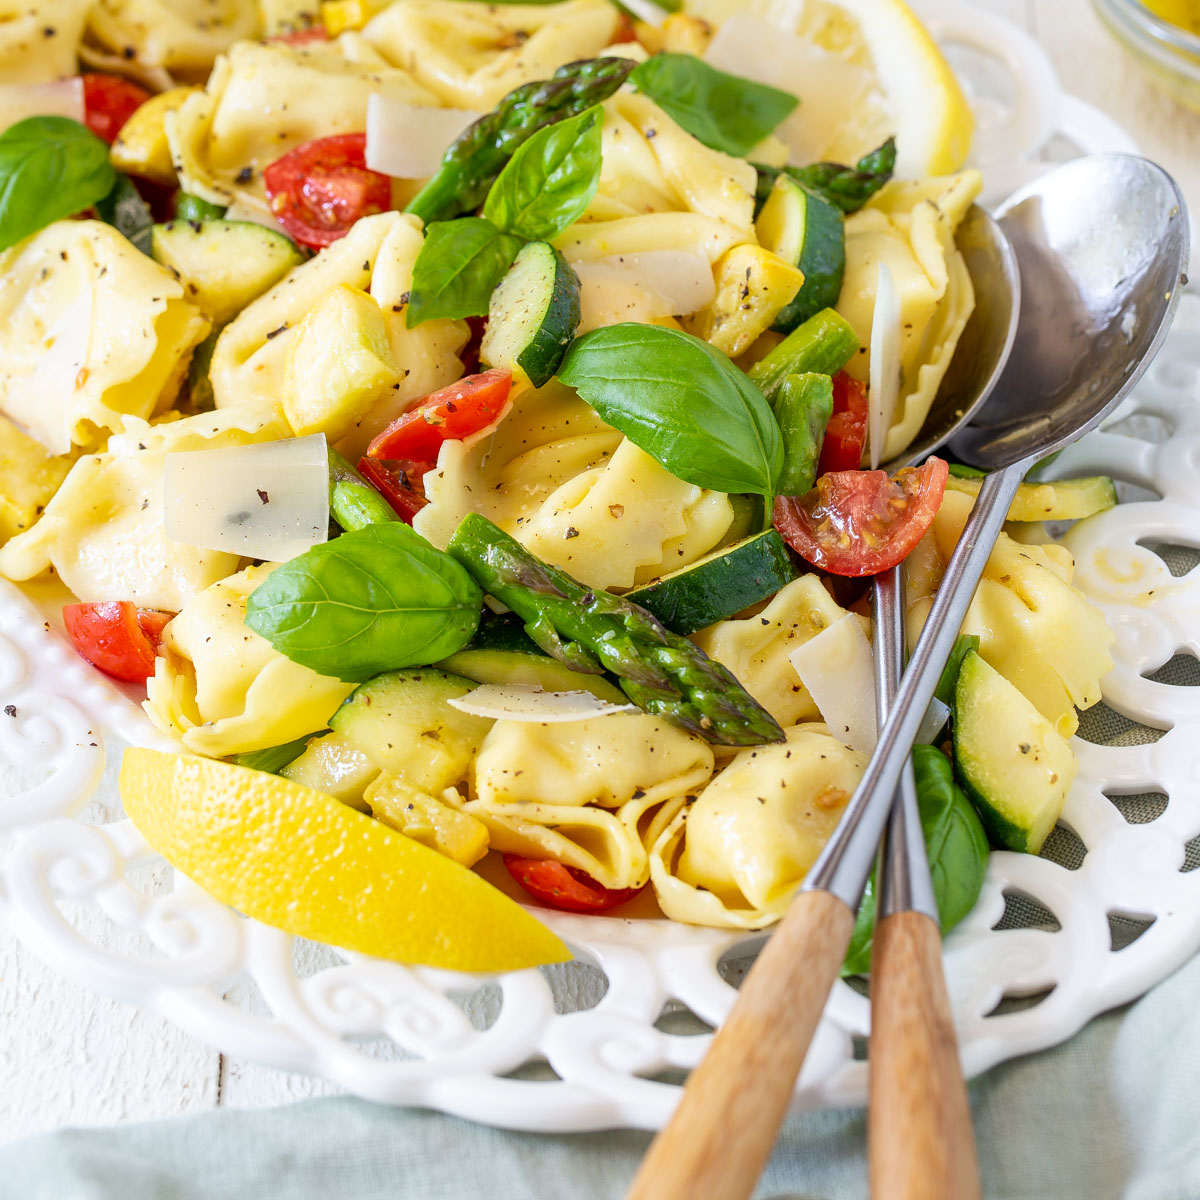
(449, 414)
(398, 483)
(861, 522)
(108, 102)
(318, 190)
(565, 887)
(117, 637)
(842, 449)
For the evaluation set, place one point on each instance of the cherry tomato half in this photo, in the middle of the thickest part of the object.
(108, 102)
(318, 190)
(862, 522)
(117, 637)
(449, 414)
(842, 449)
(564, 887)
(399, 483)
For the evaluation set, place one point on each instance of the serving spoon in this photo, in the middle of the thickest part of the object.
(1105, 238)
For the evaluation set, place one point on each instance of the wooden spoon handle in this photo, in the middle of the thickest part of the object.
(919, 1122)
(735, 1100)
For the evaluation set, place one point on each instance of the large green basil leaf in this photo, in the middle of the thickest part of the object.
(955, 845)
(682, 402)
(373, 600)
(458, 268)
(550, 181)
(50, 168)
(723, 111)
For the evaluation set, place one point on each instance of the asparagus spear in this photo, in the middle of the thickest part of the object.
(659, 671)
(353, 502)
(849, 188)
(474, 160)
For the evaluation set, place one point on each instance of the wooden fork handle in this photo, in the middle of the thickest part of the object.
(919, 1122)
(721, 1135)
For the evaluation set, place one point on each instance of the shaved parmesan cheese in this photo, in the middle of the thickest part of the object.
(63, 98)
(268, 501)
(646, 11)
(883, 389)
(515, 702)
(643, 286)
(407, 141)
(838, 669)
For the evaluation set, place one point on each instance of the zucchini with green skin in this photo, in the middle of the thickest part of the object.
(533, 314)
(1064, 500)
(719, 585)
(806, 230)
(333, 764)
(1010, 761)
(473, 161)
(823, 345)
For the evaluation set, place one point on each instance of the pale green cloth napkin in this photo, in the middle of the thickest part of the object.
(1113, 1113)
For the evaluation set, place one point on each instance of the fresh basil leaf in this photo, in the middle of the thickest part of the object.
(955, 844)
(682, 402)
(723, 111)
(458, 268)
(550, 180)
(125, 210)
(373, 600)
(50, 168)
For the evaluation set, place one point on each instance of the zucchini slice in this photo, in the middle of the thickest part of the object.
(808, 231)
(333, 764)
(224, 264)
(1012, 764)
(1066, 500)
(720, 584)
(533, 314)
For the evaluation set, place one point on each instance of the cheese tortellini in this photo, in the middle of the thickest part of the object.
(222, 689)
(39, 39)
(909, 228)
(91, 330)
(736, 856)
(1038, 631)
(471, 55)
(103, 530)
(377, 255)
(575, 492)
(593, 794)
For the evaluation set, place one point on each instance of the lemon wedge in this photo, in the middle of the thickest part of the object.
(303, 862)
(864, 70)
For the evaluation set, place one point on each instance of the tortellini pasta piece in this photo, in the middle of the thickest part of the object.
(377, 255)
(574, 492)
(593, 794)
(1037, 630)
(184, 36)
(909, 227)
(756, 648)
(39, 39)
(472, 55)
(103, 531)
(735, 857)
(91, 330)
(263, 100)
(222, 689)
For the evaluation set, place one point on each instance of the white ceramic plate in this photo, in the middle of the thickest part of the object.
(599, 1045)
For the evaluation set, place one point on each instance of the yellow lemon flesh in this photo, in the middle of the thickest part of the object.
(880, 74)
(303, 862)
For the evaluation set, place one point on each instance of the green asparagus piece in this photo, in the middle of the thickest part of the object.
(825, 343)
(353, 502)
(661, 672)
(474, 160)
(803, 407)
(847, 187)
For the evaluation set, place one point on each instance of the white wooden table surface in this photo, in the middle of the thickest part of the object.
(70, 1057)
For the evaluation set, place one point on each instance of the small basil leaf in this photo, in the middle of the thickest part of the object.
(458, 268)
(125, 210)
(50, 168)
(723, 111)
(550, 180)
(374, 600)
(682, 402)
